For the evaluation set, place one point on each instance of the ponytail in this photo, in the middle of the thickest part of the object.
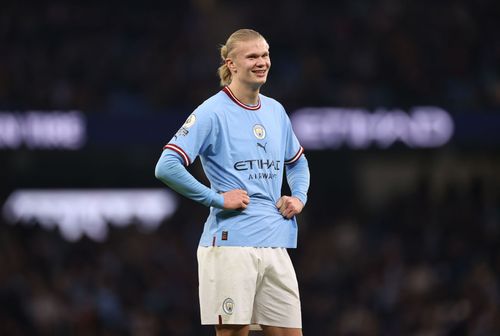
(223, 71)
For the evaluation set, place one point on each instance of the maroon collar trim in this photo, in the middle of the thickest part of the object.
(231, 95)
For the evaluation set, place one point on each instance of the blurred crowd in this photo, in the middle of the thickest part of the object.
(130, 57)
(419, 265)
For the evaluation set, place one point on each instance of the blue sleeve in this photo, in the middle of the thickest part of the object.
(297, 176)
(172, 172)
(293, 149)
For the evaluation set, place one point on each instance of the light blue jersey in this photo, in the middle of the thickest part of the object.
(243, 147)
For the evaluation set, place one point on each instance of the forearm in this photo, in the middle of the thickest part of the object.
(172, 172)
(298, 176)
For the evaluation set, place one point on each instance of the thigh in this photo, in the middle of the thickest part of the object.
(231, 330)
(280, 331)
(277, 303)
(227, 282)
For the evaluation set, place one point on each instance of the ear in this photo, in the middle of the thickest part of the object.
(230, 64)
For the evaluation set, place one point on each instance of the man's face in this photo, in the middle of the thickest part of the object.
(250, 62)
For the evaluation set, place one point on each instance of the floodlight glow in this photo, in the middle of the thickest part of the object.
(42, 130)
(331, 128)
(79, 212)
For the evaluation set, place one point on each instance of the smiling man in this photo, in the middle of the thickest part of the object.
(244, 140)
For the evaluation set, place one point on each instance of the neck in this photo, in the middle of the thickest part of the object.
(245, 94)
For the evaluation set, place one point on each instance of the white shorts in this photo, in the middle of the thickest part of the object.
(248, 285)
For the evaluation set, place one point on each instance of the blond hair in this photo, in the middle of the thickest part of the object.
(226, 50)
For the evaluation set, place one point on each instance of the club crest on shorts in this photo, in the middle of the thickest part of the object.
(228, 306)
(259, 131)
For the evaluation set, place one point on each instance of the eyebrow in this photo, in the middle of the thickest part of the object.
(257, 54)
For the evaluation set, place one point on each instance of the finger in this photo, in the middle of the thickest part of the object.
(244, 192)
(289, 213)
(291, 207)
(243, 205)
(283, 207)
(285, 213)
(246, 200)
(279, 203)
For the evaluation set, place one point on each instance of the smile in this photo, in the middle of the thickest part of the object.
(260, 72)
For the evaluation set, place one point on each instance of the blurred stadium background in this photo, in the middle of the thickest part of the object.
(396, 102)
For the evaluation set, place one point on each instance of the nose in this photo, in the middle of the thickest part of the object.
(261, 62)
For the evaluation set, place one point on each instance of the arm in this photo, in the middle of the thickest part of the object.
(172, 172)
(297, 175)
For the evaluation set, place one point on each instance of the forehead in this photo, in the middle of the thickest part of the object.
(258, 46)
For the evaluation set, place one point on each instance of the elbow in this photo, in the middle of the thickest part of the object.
(161, 169)
(166, 167)
(158, 172)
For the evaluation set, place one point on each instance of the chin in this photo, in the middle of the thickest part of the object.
(257, 82)
(261, 81)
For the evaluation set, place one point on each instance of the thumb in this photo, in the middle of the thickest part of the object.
(280, 202)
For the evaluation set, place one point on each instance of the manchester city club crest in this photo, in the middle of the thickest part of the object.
(259, 131)
(228, 306)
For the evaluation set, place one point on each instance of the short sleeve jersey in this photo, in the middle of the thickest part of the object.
(242, 147)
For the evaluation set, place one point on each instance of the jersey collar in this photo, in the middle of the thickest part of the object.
(231, 95)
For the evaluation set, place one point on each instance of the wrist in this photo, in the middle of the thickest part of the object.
(217, 201)
(301, 198)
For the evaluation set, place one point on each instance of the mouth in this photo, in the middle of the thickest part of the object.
(260, 73)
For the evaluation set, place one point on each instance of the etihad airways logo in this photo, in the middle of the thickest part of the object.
(257, 164)
(252, 165)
